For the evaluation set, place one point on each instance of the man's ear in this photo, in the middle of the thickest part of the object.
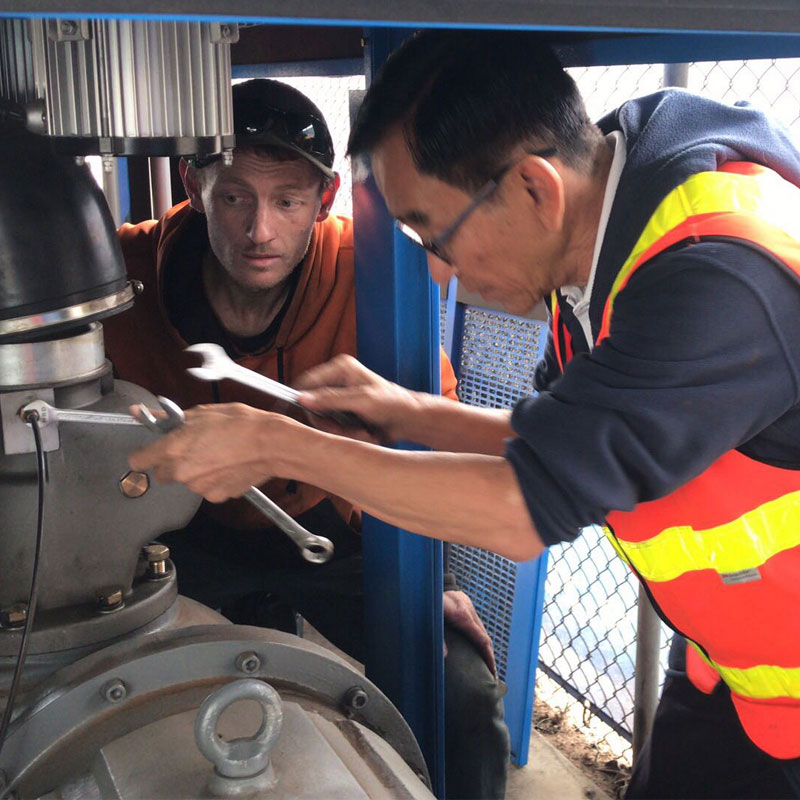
(191, 184)
(328, 196)
(545, 186)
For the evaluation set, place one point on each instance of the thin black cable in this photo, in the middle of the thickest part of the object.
(33, 420)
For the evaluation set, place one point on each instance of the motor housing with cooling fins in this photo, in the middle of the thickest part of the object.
(121, 87)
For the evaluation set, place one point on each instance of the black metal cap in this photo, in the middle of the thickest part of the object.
(59, 250)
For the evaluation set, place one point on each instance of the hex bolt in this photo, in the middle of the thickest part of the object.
(156, 556)
(69, 27)
(134, 484)
(115, 691)
(109, 599)
(14, 616)
(248, 662)
(355, 698)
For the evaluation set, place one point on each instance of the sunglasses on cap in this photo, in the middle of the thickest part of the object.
(258, 124)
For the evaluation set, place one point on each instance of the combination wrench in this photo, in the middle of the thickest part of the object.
(217, 365)
(316, 549)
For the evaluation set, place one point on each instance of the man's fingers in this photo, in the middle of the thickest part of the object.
(335, 399)
(341, 371)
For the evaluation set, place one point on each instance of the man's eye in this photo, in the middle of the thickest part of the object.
(288, 202)
(233, 199)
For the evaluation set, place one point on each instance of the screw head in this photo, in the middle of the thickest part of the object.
(137, 286)
(14, 616)
(248, 662)
(134, 484)
(68, 27)
(355, 698)
(114, 691)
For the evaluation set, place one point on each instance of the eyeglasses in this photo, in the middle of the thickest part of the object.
(438, 243)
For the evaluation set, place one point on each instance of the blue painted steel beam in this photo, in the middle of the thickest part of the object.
(398, 337)
(295, 69)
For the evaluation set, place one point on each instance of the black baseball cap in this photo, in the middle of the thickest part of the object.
(271, 113)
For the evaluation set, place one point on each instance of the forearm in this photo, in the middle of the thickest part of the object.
(465, 498)
(442, 424)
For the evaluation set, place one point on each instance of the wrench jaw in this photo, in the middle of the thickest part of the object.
(204, 373)
(214, 356)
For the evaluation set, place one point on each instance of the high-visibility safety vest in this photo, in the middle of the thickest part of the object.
(720, 556)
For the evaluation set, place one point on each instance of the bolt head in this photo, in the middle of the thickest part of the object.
(355, 698)
(134, 484)
(109, 598)
(248, 662)
(114, 691)
(155, 552)
(14, 616)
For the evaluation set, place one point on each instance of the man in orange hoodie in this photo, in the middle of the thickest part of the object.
(254, 262)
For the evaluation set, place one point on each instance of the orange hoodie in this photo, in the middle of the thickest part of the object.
(320, 323)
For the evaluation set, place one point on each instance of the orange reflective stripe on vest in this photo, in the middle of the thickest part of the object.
(562, 341)
(721, 554)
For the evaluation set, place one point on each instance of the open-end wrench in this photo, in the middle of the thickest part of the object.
(218, 365)
(316, 549)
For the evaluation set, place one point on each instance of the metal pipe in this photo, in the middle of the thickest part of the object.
(160, 186)
(676, 75)
(646, 676)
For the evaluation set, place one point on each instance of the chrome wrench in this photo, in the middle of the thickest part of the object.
(50, 415)
(217, 365)
(316, 549)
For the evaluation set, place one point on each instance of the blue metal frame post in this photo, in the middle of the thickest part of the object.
(398, 337)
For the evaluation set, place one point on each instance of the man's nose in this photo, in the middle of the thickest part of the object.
(440, 271)
(261, 227)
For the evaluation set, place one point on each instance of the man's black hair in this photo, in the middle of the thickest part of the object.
(468, 99)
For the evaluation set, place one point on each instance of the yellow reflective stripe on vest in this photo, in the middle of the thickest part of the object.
(762, 682)
(765, 195)
(744, 543)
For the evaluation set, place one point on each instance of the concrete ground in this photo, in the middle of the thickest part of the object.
(548, 775)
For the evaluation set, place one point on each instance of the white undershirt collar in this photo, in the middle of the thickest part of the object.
(579, 297)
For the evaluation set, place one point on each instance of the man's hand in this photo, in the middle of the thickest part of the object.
(219, 453)
(344, 384)
(460, 614)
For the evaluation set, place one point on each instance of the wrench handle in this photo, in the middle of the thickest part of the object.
(316, 549)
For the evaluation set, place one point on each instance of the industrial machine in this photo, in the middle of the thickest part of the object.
(111, 684)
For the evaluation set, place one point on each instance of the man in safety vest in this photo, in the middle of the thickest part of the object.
(667, 240)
